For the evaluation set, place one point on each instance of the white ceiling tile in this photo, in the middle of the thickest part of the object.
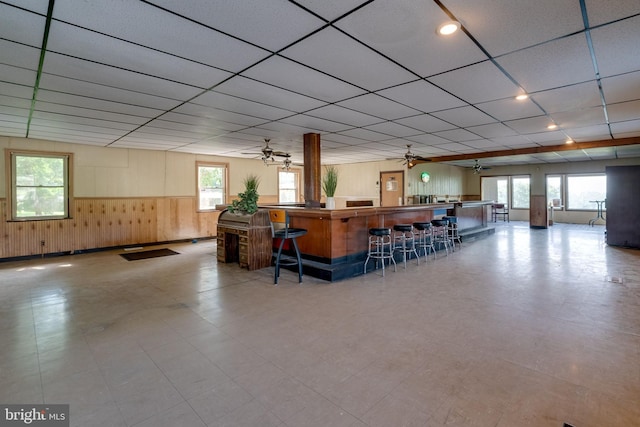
(464, 116)
(344, 115)
(616, 47)
(628, 151)
(147, 25)
(492, 130)
(242, 87)
(216, 114)
(624, 111)
(378, 106)
(12, 101)
(580, 118)
(453, 146)
(65, 99)
(318, 124)
(292, 76)
(86, 112)
(405, 31)
(65, 120)
(428, 139)
(365, 134)
(339, 55)
(21, 26)
(18, 56)
(426, 123)
(521, 24)
(626, 129)
(558, 63)
(204, 123)
(15, 90)
(105, 92)
(268, 23)
(80, 43)
(601, 12)
(393, 129)
(477, 83)
(331, 9)
(529, 125)
(484, 144)
(552, 137)
(111, 77)
(625, 87)
(588, 133)
(457, 135)
(240, 105)
(422, 96)
(568, 98)
(510, 109)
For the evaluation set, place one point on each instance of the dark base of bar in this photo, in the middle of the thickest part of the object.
(354, 266)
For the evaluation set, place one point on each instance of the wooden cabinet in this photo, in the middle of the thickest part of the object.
(538, 212)
(245, 239)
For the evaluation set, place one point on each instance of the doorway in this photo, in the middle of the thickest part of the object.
(392, 188)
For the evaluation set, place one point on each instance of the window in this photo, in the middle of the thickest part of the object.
(554, 190)
(39, 185)
(503, 191)
(288, 186)
(583, 190)
(212, 185)
(520, 188)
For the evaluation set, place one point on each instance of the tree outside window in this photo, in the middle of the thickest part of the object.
(212, 183)
(554, 190)
(583, 190)
(520, 193)
(40, 185)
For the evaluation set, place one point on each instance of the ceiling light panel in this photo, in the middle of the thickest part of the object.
(292, 76)
(404, 30)
(558, 63)
(338, 55)
(520, 23)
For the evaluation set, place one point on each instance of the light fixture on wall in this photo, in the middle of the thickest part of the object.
(425, 177)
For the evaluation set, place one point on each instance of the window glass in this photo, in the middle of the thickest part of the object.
(583, 190)
(554, 190)
(288, 186)
(503, 191)
(520, 192)
(211, 185)
(40, 186)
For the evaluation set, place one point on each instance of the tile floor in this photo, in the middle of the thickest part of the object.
(523, 328)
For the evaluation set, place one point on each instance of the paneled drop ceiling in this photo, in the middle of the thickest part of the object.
(219, 76)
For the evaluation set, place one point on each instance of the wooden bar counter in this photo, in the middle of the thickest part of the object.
(335, 246)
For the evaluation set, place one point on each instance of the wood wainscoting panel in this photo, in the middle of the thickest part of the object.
(107, 222)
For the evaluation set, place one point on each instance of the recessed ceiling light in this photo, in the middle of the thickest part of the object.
(448, 28)
(569, 141)
(552, 126)
(522, 97)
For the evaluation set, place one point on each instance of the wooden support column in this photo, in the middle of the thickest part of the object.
(312, 170)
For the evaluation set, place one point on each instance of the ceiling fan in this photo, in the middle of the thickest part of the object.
(269, 153)
(409, 158)
(478, 168)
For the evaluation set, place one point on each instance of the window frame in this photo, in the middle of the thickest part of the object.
(561, 176)
(567, 199)
(225, 186)
(11, 156)
(512, 179)
(298, 179)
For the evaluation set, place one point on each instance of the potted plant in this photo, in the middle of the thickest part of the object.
(247, 202)
(329, 184)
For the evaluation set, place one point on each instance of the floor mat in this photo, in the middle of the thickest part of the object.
(155, 253)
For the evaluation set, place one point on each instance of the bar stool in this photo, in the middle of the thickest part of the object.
(404, 242)
(280, 230)
(425, 238)
(441, 233)
(380, 247)
(453, 231)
